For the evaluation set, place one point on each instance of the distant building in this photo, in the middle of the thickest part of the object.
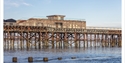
(56, 21)
(10, 22)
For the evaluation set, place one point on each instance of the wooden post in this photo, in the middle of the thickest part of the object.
(79, 40)
(95, 39)
(113, 40)
(76, 45)
(40, 40)
(4, 40)
(57, 39)
(11, 43)
(119, 41)
(45, 59)
(106, 41)
(102, 40)
(14, 59)
(66, 41)
(46, 41)
(30, 59)
(87, 39)
(27, 42)
(98, 37)
(35, 41)
(30, 39)
(13, 40)
(52, 39)
(61, 38)
(8, 40)
(84, 39)
(90, 39)
(21, 40)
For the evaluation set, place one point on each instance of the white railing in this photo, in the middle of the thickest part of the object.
(105, 28)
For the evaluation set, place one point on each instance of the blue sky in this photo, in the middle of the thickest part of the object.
(105, 13)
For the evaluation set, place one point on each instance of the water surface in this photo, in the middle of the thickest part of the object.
(83, 55)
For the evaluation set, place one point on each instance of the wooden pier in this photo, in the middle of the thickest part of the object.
(49, 37)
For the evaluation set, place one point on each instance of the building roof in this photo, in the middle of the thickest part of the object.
(10, 20)
(56, 16)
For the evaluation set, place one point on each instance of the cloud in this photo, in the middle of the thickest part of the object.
(15, 3)
(27, 4)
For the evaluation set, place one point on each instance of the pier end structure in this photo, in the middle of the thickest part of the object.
(55, 21)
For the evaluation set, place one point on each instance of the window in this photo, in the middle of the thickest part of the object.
(59, 18)
(11, 23)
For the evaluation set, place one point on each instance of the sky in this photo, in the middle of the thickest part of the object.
(102, 13)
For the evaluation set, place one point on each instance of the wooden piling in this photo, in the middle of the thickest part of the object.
(59, 58)
(30, 59)
(27, 42)
(5, 38)
(84, 39)
(52, 39)
(35, 41)
(75, 40)
(42, 37)
(14, 59)
(46, 41)
(40, 40)
(45, 59)
(73, 57)
(21, 40)
(79, 40)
